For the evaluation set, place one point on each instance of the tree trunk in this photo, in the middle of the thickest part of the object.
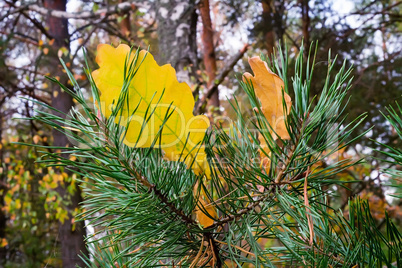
(72, 241)
(268, 27)
(209, 49)
(177, 25)
(305, 23)
(125, 25)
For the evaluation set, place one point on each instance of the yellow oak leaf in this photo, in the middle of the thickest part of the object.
(269, 88)
(156, 89)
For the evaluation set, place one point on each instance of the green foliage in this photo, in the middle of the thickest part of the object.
(142, 206)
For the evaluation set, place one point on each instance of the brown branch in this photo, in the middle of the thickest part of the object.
(215, 251)
(219, 79)
(308, 211)
(21, 37)
(116, 9)
(240, 212)
(171, 206)
(162, 197)
(277, 182)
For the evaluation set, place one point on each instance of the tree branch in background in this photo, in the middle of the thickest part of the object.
(116, 9)
(125, 25)
(36, 23)
(219, 79)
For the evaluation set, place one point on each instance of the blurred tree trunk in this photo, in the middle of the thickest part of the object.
(209, 49)
(125, 25)
(305, 9)
(273, 23)
(268, 25)
(177, 25)
(72, 241)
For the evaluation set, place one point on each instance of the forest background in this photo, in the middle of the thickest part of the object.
(208, 43)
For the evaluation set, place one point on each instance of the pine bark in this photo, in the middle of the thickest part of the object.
(72, 241)
(177, 25)
(209, 49)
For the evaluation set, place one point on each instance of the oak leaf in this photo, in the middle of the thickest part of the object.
(156, 89)
(269, 89)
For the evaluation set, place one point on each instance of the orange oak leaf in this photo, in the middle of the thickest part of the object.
(269, 88)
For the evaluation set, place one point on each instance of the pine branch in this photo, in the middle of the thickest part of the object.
(240, 213)
(151, 187)
(172, 207)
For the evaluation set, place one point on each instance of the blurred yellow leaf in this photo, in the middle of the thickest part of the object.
(36, 139)
(18, 203)
(155, 87)
(202, 217)
(3, 243)
(7, 200)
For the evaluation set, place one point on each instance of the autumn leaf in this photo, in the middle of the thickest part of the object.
(203, 219)
(203, 202)
(269, 88)
(153, 88)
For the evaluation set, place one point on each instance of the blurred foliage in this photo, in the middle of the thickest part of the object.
(32, 204)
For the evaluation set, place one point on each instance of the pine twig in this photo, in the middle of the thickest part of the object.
(219, 79)
(163, 198)
(307, 205)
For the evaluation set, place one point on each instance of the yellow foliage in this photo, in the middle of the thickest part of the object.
(155, 87)
(3, 243)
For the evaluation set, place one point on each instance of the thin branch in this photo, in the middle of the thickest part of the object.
(240, 212)
(172, 207)
(263, 197)
(36, 23)
(308, 211)
(219, 79)
(104, 12)
(21, 37)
